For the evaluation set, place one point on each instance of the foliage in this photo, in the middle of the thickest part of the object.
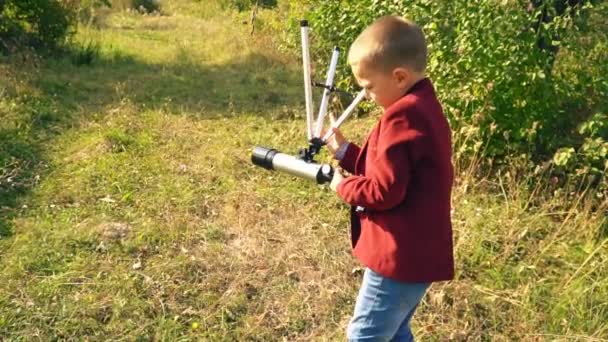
(591, 157)
(503, 95)
(44, 23)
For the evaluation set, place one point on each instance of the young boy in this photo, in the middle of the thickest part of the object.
(401, 182)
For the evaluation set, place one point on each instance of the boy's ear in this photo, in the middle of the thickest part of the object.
(402, 76)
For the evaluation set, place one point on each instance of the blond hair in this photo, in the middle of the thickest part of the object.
(388, 43)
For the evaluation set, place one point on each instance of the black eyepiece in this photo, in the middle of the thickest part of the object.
(263, 156)
(326, 174)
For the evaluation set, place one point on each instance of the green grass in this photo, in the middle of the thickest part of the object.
(134, 213)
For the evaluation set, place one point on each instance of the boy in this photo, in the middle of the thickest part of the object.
(400, 185)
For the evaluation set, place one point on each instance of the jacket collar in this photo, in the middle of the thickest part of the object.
(424, 83)
(419, 89)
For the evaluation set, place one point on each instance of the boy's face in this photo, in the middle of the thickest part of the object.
(383, 87)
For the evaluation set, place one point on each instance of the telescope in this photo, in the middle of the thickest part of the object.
(303, 164)
(272, 159)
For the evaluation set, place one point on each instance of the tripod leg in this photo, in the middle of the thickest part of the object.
(331, 72)
(347, 112)
(307, 80)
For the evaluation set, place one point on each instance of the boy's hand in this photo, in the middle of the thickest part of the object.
(338, 177)
(336, 140)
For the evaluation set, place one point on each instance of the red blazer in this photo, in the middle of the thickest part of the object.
(402, 177)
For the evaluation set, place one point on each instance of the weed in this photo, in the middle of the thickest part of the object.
(85, 54)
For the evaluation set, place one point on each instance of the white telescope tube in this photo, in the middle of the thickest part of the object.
(345, 115)
(272, 159)
(307, 81)
(328, 83)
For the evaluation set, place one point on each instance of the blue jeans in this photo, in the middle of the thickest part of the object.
(384, 309)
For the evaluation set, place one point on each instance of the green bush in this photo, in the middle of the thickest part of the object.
(591, 157)
(41, 23)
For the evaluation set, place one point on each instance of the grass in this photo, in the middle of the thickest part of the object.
(133, 213)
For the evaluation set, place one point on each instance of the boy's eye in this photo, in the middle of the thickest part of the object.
(367, 87)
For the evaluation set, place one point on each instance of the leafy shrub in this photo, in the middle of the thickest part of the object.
(591, 157)
(41, 22)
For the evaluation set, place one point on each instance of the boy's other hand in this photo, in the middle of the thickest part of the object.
(337, 139)
(338, 177)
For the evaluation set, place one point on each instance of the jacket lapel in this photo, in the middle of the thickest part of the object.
(360, 161)
(361, 158)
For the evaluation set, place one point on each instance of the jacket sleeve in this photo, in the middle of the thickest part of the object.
(348, 161)
(385, 184)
